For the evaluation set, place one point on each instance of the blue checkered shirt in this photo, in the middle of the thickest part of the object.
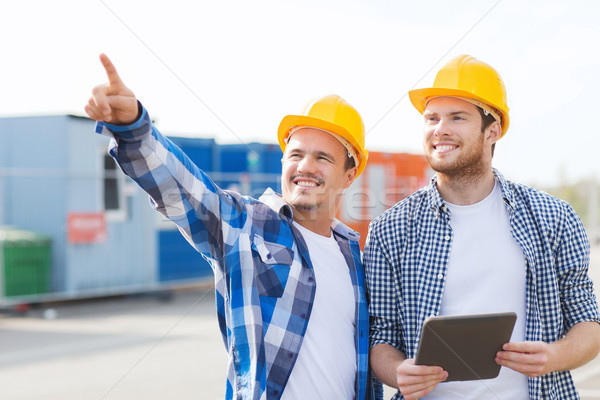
(406, 258)
(264, 279)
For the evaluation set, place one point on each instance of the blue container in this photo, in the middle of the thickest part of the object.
(203, 152)
(259, 164)
(247, 168)
(178, 260)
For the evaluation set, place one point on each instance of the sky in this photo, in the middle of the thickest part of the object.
(230, 70)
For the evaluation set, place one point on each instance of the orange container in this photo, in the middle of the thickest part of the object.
(387, 179)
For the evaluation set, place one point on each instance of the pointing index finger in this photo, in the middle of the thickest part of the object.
(111, 71)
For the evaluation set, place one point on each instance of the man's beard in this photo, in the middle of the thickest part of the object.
(468, 164)
(310, 204)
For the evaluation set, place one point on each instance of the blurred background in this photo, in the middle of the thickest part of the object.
(79, 241)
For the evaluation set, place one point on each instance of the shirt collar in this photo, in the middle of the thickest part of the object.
(435, 201)
(275, 202)
(507, 193)
(437, 205)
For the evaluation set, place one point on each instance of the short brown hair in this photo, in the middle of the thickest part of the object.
(486, 120)
(349, 163)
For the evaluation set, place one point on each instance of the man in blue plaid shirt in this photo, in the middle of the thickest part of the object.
(472, 242)
(289, 282)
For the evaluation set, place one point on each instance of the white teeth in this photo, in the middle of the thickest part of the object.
(445, 147)
(306, 184)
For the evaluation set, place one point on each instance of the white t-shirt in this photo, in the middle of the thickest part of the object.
(486, 273)
(326, 364)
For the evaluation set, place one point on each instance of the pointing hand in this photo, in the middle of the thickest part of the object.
(112, 102)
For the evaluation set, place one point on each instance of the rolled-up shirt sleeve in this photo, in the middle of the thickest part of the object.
(572, 259)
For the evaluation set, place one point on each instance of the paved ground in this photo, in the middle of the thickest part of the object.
(138, 348)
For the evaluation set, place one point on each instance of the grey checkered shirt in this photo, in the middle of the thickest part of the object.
(407, 254)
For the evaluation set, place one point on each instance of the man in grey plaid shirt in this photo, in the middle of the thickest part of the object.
(472, 242)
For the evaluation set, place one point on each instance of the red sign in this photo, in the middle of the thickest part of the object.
(86, 227)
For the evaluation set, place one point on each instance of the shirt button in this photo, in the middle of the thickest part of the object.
(269, 256)
(310, 279)
(290, 355)
(447, 237)
(303, 316)
(440, 276)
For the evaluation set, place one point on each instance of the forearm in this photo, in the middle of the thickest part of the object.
(178, 188)
(161, 168)
(384, 360)
(579, 346)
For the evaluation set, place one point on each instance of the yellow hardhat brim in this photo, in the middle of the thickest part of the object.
(420, 97)
(290, 121)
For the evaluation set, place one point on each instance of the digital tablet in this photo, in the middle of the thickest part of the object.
(465, 345)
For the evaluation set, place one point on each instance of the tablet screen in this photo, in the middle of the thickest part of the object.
(465, 345)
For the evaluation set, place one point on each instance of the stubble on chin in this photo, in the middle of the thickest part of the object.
(459, 170)
(305, 207)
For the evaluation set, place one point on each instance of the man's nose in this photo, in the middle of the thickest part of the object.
(442, 128)
(307, 164)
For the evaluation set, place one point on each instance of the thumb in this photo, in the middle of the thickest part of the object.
(124, 108)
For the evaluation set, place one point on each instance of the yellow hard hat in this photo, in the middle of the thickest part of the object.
(470, 79)
(334, 115)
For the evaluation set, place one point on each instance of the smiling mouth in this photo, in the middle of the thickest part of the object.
(305, 182)
(445, 147)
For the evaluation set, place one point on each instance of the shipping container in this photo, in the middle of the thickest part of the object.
(387, 179)
(57, 180)
(250, 168)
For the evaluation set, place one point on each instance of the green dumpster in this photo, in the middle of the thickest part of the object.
(25, 261)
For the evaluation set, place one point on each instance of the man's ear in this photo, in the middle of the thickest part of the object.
(350, 176)
(493, 132)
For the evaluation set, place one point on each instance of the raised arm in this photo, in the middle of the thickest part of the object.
(178, 188)
(112, 102)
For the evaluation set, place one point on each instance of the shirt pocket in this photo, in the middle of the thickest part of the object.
(272, 263)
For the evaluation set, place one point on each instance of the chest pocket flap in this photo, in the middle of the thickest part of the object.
(272, 263)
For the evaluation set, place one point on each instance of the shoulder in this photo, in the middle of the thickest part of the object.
(344, 231)
(537, 201)
(406, 209)
(539, 211)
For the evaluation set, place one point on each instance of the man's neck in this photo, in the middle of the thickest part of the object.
(466, 189)
(312, 222)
